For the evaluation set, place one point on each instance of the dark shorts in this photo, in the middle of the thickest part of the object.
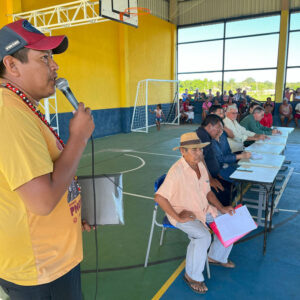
(297, 116)
(67, 287)
(158, 120)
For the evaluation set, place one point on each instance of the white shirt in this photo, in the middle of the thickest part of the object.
(240, 135)
(297, 108)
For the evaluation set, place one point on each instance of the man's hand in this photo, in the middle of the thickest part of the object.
(215, 183)
(244, 155)
(186, 216)
(276, 131)
(262, 137)
(228, 209)
(82, 124)
(85, 226)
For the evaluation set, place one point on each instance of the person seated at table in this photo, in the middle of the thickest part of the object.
(297, 114)
(240, 133)
(224, 155)
(211, 127)
(285, 112)
(186, 198)
(267, 120)
(251, 122)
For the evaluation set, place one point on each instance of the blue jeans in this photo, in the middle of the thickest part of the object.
(67, 287)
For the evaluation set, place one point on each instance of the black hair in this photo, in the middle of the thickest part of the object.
(214, 108)
(159, 105)
(211, 119)
(21, 55)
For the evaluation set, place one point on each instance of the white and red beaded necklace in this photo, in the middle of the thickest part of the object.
(33, 108)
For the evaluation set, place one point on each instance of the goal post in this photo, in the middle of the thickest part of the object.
(150, 93)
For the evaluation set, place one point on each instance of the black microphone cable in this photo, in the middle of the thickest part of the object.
(95, 213)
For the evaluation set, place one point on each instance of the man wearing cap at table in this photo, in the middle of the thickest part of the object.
(40, 219)
(186, 198)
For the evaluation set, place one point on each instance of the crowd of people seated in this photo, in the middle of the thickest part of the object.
(244, 104)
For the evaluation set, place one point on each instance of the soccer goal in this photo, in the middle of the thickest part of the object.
(150, 93)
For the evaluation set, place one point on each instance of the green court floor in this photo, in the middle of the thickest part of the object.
(142, 158)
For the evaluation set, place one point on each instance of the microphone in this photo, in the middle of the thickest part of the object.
(63, 85)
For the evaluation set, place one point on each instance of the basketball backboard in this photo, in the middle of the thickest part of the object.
(116, 10)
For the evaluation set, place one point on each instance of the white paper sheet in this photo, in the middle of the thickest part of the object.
(256, 156)
(232, 226)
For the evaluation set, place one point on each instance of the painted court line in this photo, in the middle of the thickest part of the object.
(139, 196)
(167, 284)
(140, 166)
(128, 151)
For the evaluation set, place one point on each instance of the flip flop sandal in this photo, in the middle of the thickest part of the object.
(230, 264)
(189, 283)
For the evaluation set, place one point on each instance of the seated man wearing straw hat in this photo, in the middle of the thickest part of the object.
(186, 198)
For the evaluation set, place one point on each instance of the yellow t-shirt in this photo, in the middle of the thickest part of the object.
(33, 249)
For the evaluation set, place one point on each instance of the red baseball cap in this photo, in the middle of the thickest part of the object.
(21, 34)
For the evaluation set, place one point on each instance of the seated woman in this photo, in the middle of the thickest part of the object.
(285, 112)
(205, 108)
(188, 110)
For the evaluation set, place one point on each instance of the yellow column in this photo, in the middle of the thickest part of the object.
(7, 8)
(124, 65)
(282, 50)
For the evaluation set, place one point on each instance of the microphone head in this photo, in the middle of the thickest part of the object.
(61, 83)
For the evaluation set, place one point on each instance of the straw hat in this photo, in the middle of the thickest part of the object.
(190, 140)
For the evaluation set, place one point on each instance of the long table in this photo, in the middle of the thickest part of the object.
(263, 172)
(266, 148)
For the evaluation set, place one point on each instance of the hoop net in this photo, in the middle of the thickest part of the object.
(134, 11)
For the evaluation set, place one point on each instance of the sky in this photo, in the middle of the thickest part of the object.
(241, 53)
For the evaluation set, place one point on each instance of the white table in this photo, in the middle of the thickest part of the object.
(267, 161)
(266, 148)
(274, 140)
(265, 178)
(285, 131)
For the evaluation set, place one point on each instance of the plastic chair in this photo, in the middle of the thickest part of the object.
(164, 225)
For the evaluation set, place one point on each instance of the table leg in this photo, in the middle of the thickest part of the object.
(266, 221)
(272, 207)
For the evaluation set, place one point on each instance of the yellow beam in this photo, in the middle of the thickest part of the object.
(124, 65)
(282, 51)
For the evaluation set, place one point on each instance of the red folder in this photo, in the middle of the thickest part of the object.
(227, 243)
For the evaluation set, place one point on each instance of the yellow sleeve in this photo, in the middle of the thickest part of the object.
(24, 153)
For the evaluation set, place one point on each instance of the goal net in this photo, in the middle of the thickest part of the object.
(150, 93)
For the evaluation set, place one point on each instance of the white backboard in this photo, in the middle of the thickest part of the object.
(113, 9)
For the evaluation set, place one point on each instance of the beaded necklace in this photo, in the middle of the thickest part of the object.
(25, 99)
(35, 110)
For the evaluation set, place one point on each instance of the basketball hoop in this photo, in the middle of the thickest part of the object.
(135, 11)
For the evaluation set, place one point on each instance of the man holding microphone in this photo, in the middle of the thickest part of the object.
(40, 231)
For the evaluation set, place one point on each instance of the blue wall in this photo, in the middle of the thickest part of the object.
(118, 120)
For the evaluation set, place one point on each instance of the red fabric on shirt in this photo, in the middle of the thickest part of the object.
(267, 120)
